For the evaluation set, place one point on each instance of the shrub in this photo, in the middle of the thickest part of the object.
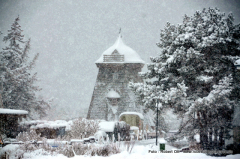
(29, 136)
(80, 127)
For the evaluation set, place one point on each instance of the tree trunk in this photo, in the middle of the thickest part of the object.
(205, 131)
(221, 140)
(210, 139)
(205, 139)
(215, 138)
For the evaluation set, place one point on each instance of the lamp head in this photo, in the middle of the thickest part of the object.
(237, 64)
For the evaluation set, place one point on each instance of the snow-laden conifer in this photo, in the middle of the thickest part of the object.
(17, 82)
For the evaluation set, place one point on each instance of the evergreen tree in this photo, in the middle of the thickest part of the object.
(193, 74)
(18, 89)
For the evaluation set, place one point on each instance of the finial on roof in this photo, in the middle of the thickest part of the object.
(120, 33)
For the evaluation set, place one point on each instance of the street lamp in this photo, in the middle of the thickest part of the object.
(158, 105)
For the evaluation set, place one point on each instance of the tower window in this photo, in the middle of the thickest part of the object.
(114, 101)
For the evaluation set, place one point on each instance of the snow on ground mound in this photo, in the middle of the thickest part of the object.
(139, 152)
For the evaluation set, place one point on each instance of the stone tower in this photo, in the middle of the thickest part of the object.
(118, 65)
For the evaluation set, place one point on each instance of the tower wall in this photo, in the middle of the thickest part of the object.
(114, 76)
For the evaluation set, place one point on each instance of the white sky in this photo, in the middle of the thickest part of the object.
(70, 36)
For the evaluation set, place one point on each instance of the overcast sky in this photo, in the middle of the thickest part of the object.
(70, 36)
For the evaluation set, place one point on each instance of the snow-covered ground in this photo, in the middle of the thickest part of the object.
(141, 150)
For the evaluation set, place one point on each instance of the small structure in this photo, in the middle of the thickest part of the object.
(9, 119)
(135, 120)
(48, 129)
(115, 130)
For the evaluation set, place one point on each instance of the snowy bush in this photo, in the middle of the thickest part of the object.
(82, 128)
(28, 146)
(88, 149)
(96, 149)
(7, 151)
(28, 136)
(106, 150)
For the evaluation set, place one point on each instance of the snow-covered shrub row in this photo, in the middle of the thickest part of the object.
(74, 129)
(28, 150)
(96, 149)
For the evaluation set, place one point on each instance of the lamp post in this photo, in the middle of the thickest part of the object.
(158, 105)
(237, 68)
(235, 111)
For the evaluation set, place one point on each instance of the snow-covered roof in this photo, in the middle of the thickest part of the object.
(12, 111)
(132, 113)
(130, 56)
(107, 126)
(53, 124)
(113, 94)
(32, 122)
(134, 128)
(173, 131)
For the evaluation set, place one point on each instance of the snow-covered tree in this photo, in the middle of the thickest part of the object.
(17, 82)
(193, 73)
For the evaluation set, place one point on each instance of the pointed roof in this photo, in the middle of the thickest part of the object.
(130, 56)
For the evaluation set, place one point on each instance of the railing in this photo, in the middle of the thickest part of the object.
(113, 58)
